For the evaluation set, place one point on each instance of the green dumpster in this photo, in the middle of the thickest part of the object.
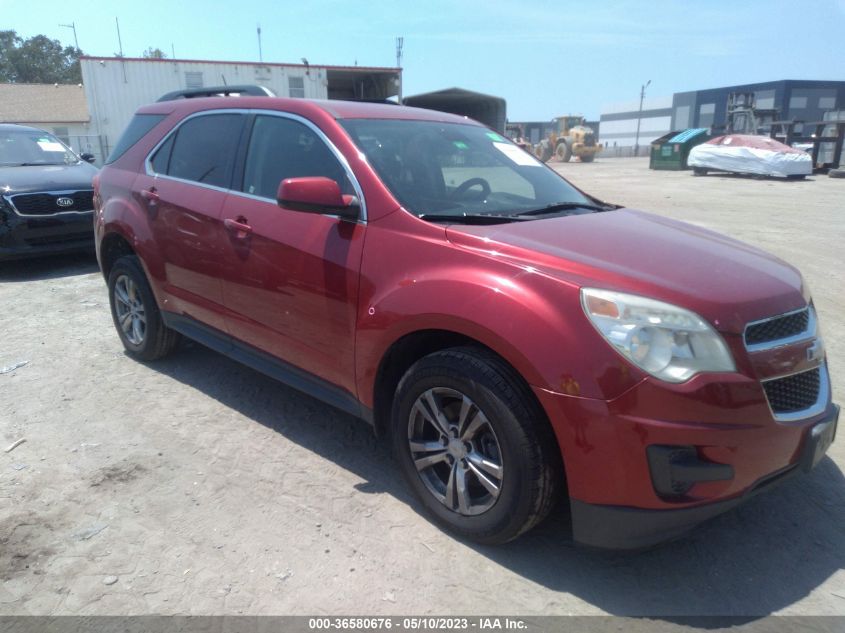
(671, 150)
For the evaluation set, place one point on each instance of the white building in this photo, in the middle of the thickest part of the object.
(116, 87)
(618, 127)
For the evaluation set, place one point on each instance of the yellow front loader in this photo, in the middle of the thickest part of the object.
(569, 138)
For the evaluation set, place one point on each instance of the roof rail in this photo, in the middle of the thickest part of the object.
(218, 91)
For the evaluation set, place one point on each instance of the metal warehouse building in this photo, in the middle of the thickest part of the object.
(115, 87)
(798, 100)
(618, 122)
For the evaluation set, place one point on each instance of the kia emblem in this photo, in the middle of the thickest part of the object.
(64, 202)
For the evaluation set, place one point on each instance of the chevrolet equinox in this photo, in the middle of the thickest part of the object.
(515, 338)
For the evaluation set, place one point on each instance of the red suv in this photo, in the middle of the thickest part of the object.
(515, 337)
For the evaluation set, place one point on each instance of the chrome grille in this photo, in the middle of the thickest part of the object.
(777, 329)
(47, 203)
(793, 393)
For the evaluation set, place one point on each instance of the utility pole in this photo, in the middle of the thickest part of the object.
(72, 25)
(120, 45)
(639, 118)
(260, 54)
(119, 41)
(400, 43)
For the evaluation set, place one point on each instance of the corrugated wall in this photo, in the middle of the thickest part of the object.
(116, 89)
(619, 122)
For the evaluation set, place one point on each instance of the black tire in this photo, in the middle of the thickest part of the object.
(836, 173)
(588, 158)
(531, 467)
(155, 340)
(699, 171)
(543, 151)
(563, 152)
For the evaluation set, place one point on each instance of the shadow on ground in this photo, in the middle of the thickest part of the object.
(48, 267)
(732, 175)
(756, 560)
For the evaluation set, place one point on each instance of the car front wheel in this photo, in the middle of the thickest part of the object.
(474, 445)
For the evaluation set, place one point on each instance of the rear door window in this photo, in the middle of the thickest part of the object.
(282, 148)
(204, 149)
(161, 160)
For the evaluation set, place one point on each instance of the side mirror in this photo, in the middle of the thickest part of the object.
(317, 195)
(88, 158)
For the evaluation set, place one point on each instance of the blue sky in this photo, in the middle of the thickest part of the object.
(546, 57)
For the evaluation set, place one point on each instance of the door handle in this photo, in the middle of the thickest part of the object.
(239, 226)
(150, 195)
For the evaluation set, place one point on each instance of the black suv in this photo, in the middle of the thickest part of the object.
(46, 196)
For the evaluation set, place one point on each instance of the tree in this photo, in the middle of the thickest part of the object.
(153, 53)
(8, 42)
(37, 59)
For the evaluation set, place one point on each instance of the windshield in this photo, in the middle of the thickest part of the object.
(451, 169)
(33, 147)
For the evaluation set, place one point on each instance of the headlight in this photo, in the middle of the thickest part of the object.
(666, 341)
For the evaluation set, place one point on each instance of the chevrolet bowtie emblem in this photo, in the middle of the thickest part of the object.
(815, 351)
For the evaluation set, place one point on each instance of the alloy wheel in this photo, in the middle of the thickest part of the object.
(129, 309)
(455, 450)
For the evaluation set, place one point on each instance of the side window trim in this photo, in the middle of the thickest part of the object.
(148, 161)
(239, 164)
(240, 159)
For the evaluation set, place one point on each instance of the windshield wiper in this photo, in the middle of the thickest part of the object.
(564, 206)
(471, 218)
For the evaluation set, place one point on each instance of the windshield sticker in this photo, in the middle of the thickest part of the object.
(50, 146)
(517, 155)
(460, 145)
(495, 137)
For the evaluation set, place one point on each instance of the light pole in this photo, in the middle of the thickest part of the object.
(639, 118)
(72, 25)
(400, 44)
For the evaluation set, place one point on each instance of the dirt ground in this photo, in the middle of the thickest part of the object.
(198, 486)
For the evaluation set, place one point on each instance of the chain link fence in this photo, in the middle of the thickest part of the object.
(88, 144)
(624, 152)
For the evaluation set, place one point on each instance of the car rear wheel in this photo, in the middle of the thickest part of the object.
(136, 316)
(474, 445)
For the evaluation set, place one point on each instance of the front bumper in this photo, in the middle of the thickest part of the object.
(605, 445)
(619, 527)
(29, 236)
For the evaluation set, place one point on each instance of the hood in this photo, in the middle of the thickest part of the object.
(46, 178)
(726, 281)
